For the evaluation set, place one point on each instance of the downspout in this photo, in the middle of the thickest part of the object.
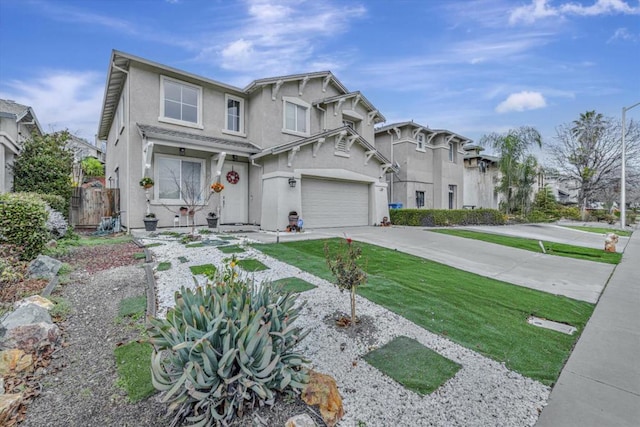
(392, 173)
(324, 117)
(127, 145)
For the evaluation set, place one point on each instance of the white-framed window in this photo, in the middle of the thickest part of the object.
(452, 152)
(234, 108)
(453, 189)
(420, 142)
(349, 123)
(179, 179)
(180, 102)
(419, 199)
(296, 117)
(120, 116)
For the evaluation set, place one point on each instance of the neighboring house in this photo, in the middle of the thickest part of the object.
(481, 178)
(428, 165)
(82, 149)
(17, 124)
(299, 143)
(564, 189)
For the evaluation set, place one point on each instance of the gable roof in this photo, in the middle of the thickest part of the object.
(327, 75)
(357, 94)
(426, 129)
(282, 148)
(20, 113)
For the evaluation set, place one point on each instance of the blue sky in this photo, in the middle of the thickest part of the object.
(470, 66)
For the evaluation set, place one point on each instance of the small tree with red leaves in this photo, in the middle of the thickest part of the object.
(344, 266)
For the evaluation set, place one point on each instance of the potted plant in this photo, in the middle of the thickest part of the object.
(150, 222)
(146, 182)
(217, 187)
(212, 220)
(183, 210)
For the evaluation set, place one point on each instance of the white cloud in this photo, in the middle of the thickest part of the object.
(623, 34)
(540, 9)
(522, 101)
(62, 100)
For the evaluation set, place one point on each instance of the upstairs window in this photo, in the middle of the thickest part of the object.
(296, 116)
(120, 116)
(349, 123)
(235, 114)
(452, 152)
(420, 141)
(181, 103)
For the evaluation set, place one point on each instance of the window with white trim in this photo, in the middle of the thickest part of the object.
(420, 142)
(296, 116)
(120, 116)
(452, 152)
(180, 102)
(235, 114)
(179, 179)
(349, 123)
(419, 199)
(453, 189)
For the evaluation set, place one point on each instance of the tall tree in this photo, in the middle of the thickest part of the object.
(589, 150)
(518, 167)
(44, 166)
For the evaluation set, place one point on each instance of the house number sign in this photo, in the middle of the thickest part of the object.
(233, 177)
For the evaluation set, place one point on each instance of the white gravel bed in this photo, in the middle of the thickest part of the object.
(483, 392)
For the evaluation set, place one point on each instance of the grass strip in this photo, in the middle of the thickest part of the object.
(232, 249)
(600, 230)
(153, 245)
(293, 284)
(559, 249)
(139, 255)
(194, 245)
(133, 306)
(133, 362)
(164, 266)
(206, 269)
(413, 365)
(482, 314)
(252, 265)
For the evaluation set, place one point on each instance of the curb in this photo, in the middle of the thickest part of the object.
(50, 287)
(150, 279)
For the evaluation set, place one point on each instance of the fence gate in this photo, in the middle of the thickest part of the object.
(89, 205)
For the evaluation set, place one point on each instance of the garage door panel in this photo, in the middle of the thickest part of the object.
(332, 203)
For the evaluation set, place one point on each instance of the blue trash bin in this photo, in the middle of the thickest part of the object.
(395, 205)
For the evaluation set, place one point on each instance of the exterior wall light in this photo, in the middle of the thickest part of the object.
(292, 182)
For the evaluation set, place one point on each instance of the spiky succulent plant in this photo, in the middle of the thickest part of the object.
(223, 349)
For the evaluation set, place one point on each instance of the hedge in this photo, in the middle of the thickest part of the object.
(444, 217)
(23, 219)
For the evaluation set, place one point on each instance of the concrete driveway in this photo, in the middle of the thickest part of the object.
(577, 279)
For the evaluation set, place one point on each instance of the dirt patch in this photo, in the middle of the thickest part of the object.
(364, 331)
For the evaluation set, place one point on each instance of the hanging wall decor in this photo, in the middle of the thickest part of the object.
(233, 177)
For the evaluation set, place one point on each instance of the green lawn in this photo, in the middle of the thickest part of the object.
(600, 230)
(232, 249)
(413, 365)
(293, 284)
(559, 249)
(133, 362)
(251, 265)
(485, 315)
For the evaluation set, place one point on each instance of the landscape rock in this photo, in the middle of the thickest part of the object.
(9, 404)
(14, 360)
(31, 337)
(37, 300)
(322, 391)
(44, 267)
(302, 420)
(24, 315)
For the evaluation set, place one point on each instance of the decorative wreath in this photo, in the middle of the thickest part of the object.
(217, 187)
(233, 177)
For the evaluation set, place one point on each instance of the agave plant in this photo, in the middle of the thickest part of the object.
(225, 348)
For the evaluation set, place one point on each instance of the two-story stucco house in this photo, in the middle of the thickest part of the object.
(429, 165)
(17, 123)
(299, 143)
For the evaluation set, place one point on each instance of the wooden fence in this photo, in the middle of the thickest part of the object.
(89, 205)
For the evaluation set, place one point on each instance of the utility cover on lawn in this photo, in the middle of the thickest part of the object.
(554, 326)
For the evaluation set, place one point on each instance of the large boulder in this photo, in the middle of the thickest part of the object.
(44, 267)
(322, 390)
(36, 300)
(23, 315)
(31, 337)
(14, 360)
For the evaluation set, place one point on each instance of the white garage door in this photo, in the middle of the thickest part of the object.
(330, 203)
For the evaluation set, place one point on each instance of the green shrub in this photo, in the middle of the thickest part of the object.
(226, 348)
(12, 270)
(570, 212)
(92, 167)
(23, 220)
(444, 217)
(56, 202)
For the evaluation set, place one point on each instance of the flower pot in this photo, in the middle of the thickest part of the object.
(147, 186)
(150, 224)
(212, 222)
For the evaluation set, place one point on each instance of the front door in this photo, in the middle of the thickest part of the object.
(234, 199)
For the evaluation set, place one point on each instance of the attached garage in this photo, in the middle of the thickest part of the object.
(334, 203)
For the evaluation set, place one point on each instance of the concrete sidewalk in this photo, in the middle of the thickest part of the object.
(600, 384)
(578, 279)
